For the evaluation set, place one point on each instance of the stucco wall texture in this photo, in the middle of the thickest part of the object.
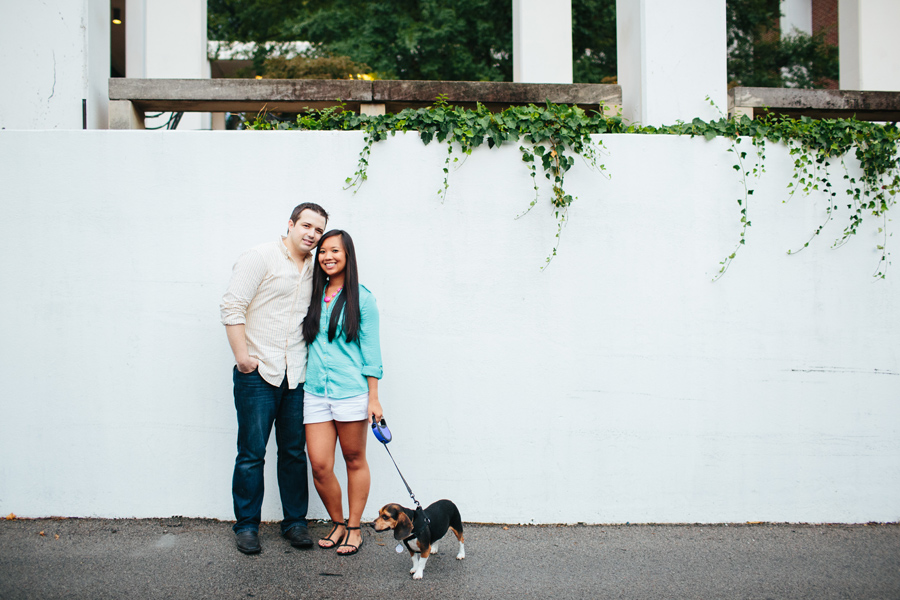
(618, 385)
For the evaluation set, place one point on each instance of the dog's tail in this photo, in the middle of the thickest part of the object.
(456, 520)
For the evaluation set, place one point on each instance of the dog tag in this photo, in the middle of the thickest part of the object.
(399, 549)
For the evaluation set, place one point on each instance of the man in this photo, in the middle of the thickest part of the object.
(262, 311)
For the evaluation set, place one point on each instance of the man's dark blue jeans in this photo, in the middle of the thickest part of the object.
(259, 404)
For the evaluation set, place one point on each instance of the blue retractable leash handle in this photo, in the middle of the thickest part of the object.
(381, 431)
(383, 435)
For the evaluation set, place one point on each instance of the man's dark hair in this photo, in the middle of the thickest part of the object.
(308, 206)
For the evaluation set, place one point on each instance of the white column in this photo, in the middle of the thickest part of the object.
(870, 46)
(97, 54)
(55, 62)
(796, 14)
(175, 48)
(671, 57)
(135, 38)
(542, 41)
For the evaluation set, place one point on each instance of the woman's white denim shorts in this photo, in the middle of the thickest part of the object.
(321, 409)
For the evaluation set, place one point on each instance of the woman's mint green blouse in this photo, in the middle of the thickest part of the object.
(338, 369)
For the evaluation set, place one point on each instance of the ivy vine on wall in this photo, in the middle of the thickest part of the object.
(549, 136)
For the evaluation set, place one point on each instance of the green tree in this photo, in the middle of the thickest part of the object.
(593, 41)
(317, 67)
(416, 39)
(472, 39)
(252, 21)
(759, 56)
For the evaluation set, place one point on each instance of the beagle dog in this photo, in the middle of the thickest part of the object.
(425, 527)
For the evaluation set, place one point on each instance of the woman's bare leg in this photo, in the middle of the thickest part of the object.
(353, 447)
(320, 445)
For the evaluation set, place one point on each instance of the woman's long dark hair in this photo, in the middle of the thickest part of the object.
(347, 301)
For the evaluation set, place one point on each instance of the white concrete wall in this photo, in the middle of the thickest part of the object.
(671, 58)
(618, 385)
(55, 55)
(870, 47)
(542, 41)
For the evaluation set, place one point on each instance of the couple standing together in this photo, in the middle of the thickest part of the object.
(281, 303)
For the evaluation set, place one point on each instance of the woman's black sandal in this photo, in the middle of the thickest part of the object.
(327, 538)
(346, 545)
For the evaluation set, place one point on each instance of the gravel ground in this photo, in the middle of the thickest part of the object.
(196, 558)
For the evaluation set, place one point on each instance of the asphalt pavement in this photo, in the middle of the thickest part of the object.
(196, 558)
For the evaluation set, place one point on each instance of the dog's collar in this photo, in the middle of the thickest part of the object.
(414, 534)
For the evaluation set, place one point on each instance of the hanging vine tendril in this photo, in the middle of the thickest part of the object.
(549, 136)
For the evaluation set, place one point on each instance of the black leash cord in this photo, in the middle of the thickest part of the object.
(408, 489)
(419, 508)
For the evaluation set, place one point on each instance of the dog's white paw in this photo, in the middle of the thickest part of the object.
(462, 552)
(434, 548)
(420, 566)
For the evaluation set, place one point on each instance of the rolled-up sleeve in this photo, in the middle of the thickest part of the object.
(247, 274)
(369, 342)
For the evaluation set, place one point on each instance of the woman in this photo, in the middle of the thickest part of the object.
(341, 389)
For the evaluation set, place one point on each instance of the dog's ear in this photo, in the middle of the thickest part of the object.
(403, 528)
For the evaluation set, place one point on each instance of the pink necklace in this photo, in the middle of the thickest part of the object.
(331, 297)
